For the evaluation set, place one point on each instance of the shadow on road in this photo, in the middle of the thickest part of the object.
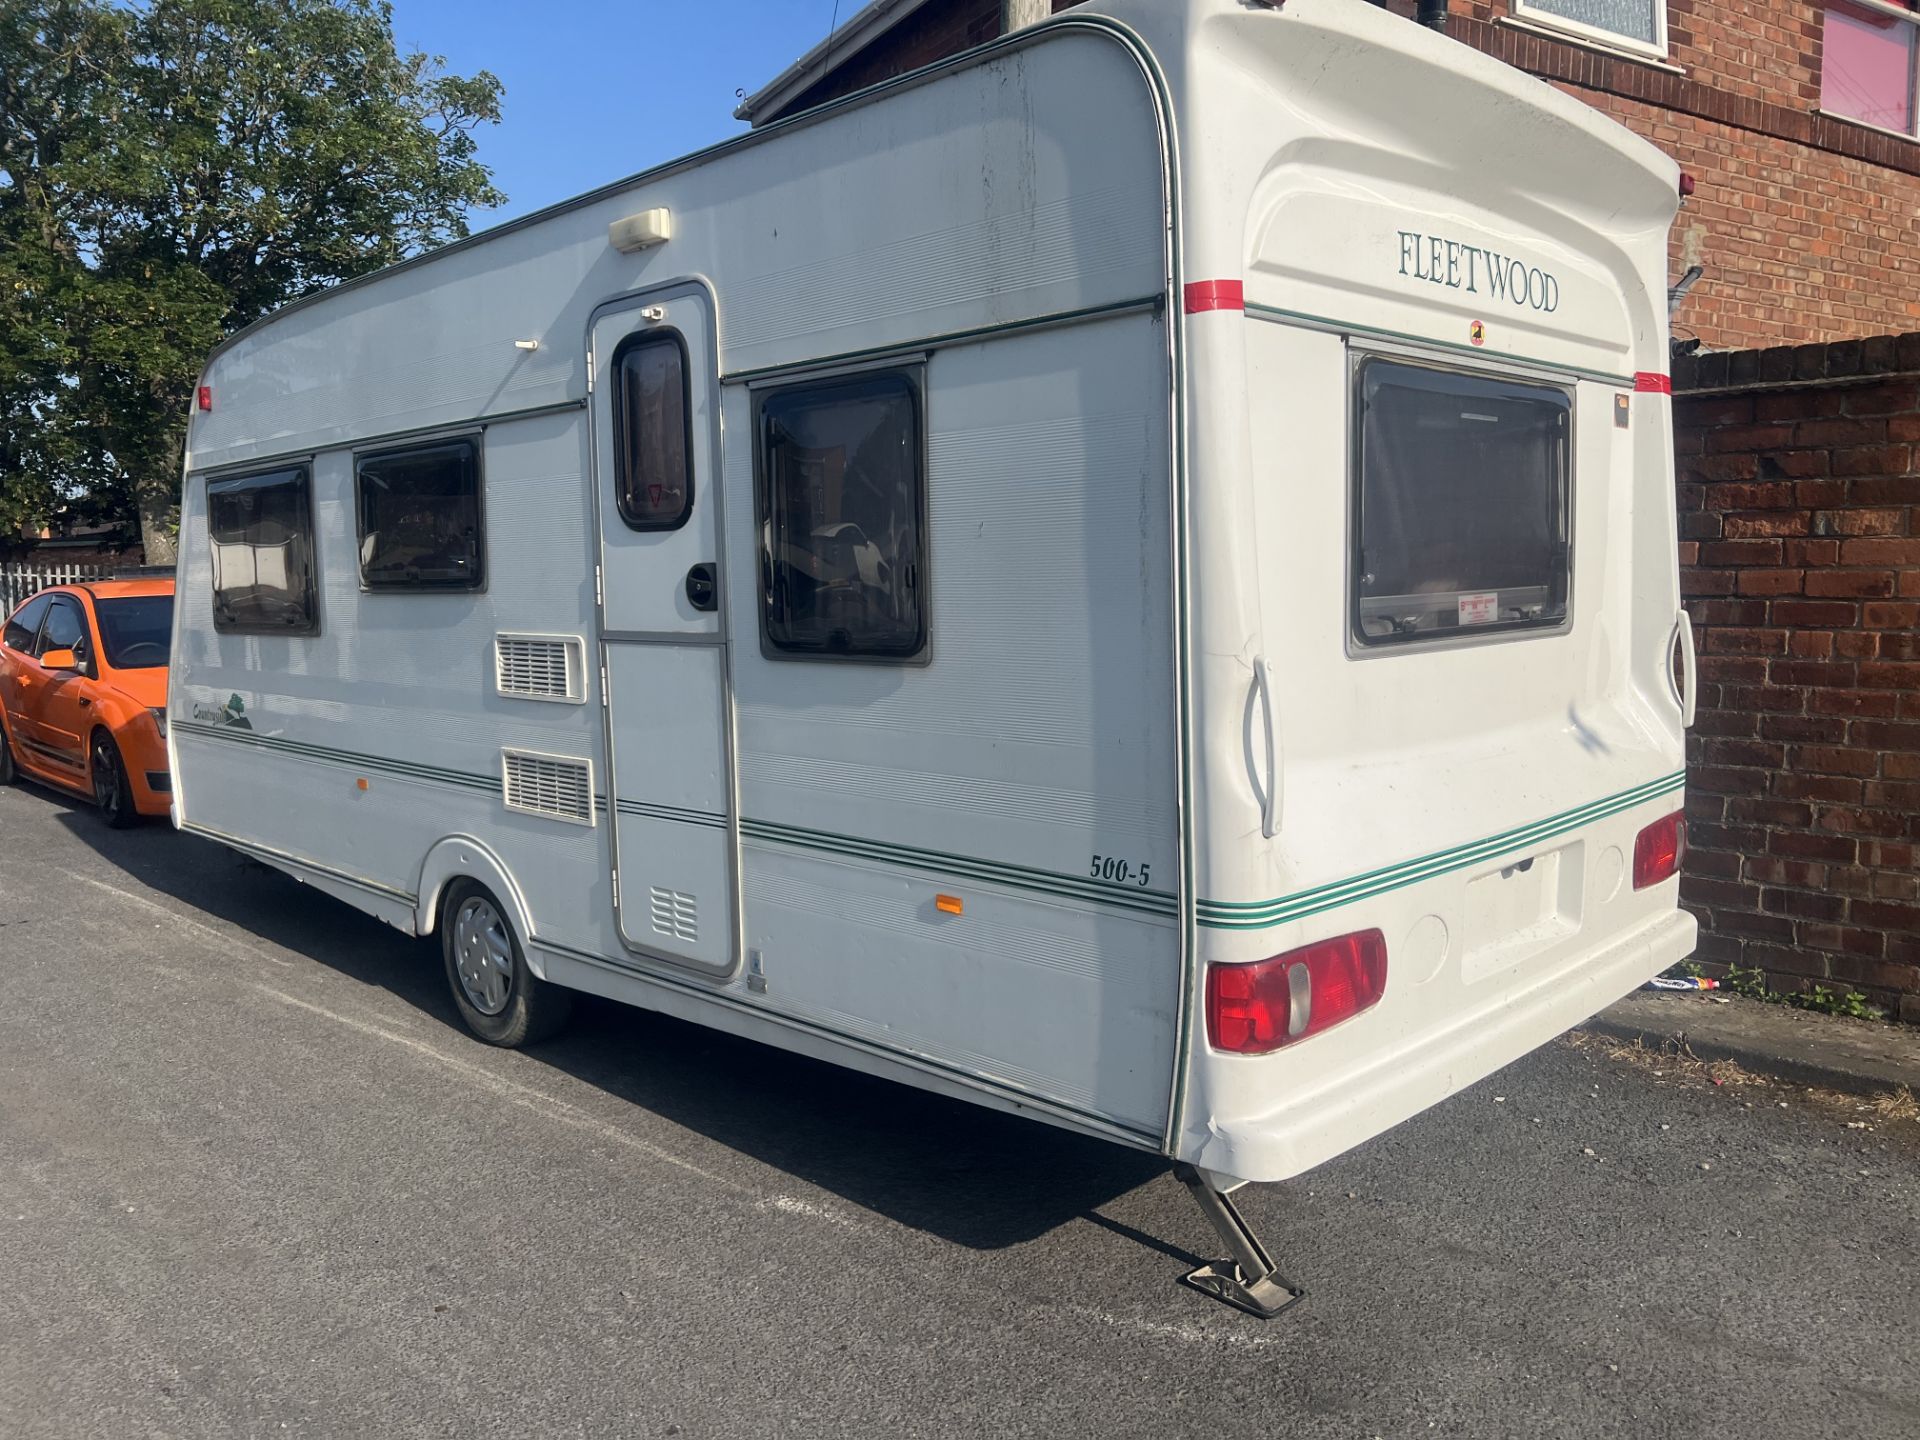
(952, 1169)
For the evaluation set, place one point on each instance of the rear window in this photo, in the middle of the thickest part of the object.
(136, 630)
(1462, 500)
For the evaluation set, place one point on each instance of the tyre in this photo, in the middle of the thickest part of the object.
(112, 791)
(7, 770)
(498, 997)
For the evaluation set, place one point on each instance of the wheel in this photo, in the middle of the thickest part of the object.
(498, 997)
(7, 770)
(112, 791)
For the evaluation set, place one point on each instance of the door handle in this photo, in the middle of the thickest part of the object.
(702, 592)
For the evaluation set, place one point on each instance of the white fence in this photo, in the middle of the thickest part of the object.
(18, 581)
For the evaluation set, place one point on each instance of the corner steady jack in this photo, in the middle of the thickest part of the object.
(1247, 1281)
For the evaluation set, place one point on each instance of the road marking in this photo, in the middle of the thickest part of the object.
(525, 1096)
(233, 945)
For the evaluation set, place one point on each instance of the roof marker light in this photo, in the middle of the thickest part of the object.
(206, 397)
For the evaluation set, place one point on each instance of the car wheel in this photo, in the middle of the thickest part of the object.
(112, 791)
(498, 997)
(7, 770)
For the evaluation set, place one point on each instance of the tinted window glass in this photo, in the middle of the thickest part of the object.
(652, 462)
(261, 527)
(1464, 503)
(66, 627)
(841, 503)
(25, 623)
(420, 517)
(135, 630)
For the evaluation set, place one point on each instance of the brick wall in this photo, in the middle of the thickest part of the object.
(1799, 497)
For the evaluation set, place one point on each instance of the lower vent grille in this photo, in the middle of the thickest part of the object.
(556, 786)
(676, 915)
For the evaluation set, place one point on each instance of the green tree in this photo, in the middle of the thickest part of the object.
(169, 172)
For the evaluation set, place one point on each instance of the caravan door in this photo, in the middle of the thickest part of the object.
(662, 627)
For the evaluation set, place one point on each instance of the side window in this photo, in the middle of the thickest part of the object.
(1463, 498)
(420, 517)
(66, 627)
(653, 463)
(25, 624)
(261, 530)
(842, 506)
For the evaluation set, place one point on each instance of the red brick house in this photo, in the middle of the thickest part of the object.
(1796, 118)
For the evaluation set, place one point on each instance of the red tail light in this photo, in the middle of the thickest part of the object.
(1252, 1009)
(1658, 851)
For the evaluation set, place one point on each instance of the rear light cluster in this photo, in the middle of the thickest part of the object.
(1253, 1009)
(1658, 850)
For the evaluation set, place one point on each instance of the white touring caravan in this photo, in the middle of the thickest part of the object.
(1128, 576)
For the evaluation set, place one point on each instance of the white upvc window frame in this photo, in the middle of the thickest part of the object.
(1896, 12)
(1530, 12)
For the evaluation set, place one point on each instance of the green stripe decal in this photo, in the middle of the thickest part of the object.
(1018, 877)
(1263, 914)
(1349, 327)
(404, 769)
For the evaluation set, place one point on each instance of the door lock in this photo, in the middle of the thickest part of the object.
(702, 592)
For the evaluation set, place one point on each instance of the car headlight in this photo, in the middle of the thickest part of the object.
(159, 713)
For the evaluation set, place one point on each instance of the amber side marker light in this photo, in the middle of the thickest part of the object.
(1659, 849)
(948, 904)
(1257, 1008)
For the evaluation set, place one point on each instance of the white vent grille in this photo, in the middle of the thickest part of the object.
(676, 915)
(556, 786)
(540, 667)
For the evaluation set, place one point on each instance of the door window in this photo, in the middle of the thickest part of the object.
(25, 624)
(1463, 497)
(843, 496)
(261, 528)
(66, 627)
(652, 459)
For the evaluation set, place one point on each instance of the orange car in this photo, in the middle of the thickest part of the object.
(83, 694)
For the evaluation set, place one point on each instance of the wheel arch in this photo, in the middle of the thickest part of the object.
(462, 857)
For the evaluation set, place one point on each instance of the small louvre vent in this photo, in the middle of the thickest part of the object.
(551, 785)
(539, 667)
(676, 915)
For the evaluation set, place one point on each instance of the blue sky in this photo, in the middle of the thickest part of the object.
(596, 90)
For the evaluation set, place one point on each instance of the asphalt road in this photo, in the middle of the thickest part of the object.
(254, 1181)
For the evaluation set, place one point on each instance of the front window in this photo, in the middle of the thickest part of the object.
(136, 631)
(1867, 64)
(66, 628)
(1463, 502)
(261, 532)
(1637, 24)
(842, 496)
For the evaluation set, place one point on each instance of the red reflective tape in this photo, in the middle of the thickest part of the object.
(1648, 383)
(1215, 295)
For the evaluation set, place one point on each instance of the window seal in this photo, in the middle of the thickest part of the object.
(913, 377)
(640, 340)
(474, 437)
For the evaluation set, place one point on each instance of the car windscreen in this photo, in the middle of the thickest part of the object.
(136, 630)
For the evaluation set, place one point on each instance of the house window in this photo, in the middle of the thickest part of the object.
(1636, 24)
(1867, 64)
(653, 462)
(1462, 498)
(420, 517)
(842, 507)
(261, 533)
